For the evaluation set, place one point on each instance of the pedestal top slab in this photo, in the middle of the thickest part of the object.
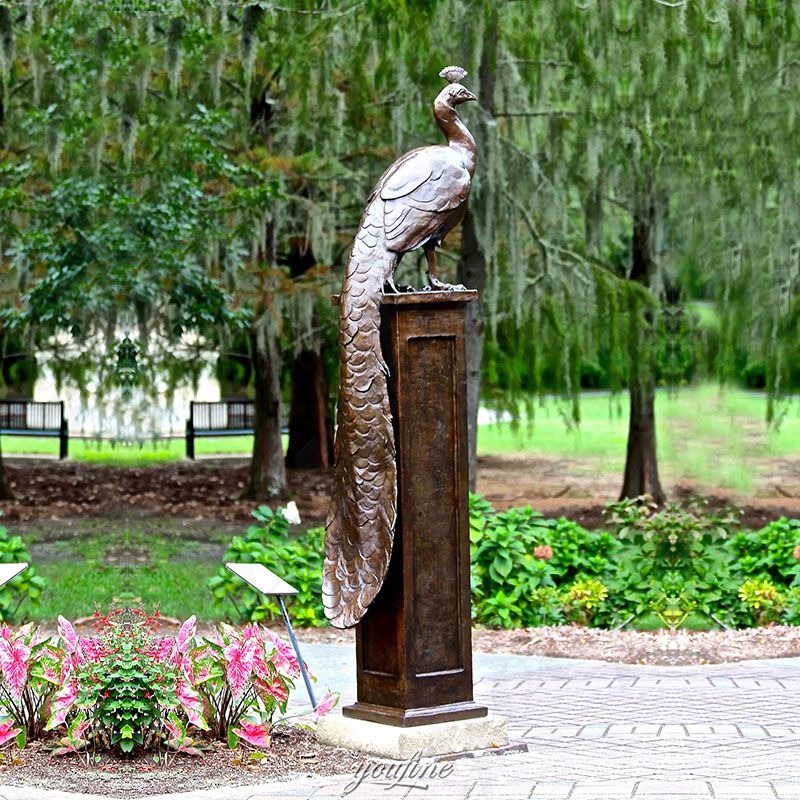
(423, 298)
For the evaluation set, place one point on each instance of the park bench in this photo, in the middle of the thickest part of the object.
(223, 418)
(31, 418)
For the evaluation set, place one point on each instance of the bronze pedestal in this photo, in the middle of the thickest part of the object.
(413, 646)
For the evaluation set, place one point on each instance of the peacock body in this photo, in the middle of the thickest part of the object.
(417, 201)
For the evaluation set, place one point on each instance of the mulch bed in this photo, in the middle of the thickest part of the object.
(212, 488)
(664, 648)
(192, 490)
(294, 753)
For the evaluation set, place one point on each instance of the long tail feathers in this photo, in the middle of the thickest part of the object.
(360, 526)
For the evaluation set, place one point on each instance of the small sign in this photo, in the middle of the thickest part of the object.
(266, 582)
(260, 578)
(10, 571)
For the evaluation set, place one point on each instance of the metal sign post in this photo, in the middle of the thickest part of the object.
(266, 582)
(10, 571)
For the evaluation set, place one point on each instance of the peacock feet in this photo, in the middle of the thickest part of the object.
(435, 285)
(390, 287)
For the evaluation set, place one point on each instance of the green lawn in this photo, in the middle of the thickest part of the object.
(90, 567)
(716, 437)
(104, 452)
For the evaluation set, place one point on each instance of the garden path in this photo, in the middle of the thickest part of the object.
(595, 731)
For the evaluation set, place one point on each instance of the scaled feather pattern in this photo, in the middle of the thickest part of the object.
(417, 201)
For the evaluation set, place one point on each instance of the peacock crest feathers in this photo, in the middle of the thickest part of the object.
(453, 74)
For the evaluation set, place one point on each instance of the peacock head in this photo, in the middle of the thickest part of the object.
(455, 93)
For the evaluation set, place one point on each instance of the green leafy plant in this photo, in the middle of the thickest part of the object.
(674, 562)
(674, 536)
(548, 607)
(763, 599)
(673, 609)
(298, 560)
(791, 610)
(519, 558)
(583, 598)
(27, 586)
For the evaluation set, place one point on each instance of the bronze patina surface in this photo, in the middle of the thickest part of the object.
(415, 204)
(413, 648)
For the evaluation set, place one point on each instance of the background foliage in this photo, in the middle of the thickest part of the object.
(193, 174)
(685, 564)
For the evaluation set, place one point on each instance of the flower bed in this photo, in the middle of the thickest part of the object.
(131, 689)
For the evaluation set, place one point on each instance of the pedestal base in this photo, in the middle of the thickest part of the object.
(392, 741)
(408, 717)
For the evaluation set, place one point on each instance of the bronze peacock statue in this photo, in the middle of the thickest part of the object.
(417, 201)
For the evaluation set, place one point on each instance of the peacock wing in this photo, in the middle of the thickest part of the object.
(417, 191)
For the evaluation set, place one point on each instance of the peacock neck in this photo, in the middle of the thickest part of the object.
(456, 132)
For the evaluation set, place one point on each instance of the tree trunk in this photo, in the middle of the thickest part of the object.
(472, 260)
(5, 489)
(472, 273)
(310, 426)
(641, 464)
(267, 469)
(310, 418)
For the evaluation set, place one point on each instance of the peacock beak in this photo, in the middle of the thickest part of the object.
(470, 96)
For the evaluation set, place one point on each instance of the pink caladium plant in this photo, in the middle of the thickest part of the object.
(14, 658)
(326, 704)
(253, 730)
(30, 674)
(245, 677)
(240, 657)
(69, 639)
(8, 731)
(75, 740)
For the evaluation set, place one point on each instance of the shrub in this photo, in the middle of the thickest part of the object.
(297, 560)
(519, 558)
(675, 536)
(548, 606)
(126, 686)
(583, 598)
(763, 599)
(791, 612)
(673, 562)
(769, 553)
(26, 586)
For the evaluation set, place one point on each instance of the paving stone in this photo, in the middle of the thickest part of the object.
(610, 790)
(551, 789)
(679, 788)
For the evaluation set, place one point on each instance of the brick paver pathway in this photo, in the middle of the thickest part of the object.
(600, 731)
